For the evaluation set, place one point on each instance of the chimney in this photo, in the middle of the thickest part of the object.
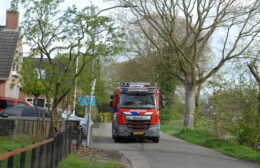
(12, 18)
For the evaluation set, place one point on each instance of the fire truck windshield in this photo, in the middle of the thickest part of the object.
(137, 100)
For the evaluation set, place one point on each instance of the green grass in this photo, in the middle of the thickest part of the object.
(170, 129)
(204, 138)
(13, 142)
(78, 161)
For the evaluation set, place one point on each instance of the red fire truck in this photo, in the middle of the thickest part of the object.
(136, 112)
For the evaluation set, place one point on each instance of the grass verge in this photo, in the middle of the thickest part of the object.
(204, 138)
(13, 142)
(79, 161)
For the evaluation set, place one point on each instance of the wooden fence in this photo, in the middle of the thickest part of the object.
(45, 154)
(26, 126)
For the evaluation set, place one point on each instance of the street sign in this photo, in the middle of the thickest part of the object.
(84, 101)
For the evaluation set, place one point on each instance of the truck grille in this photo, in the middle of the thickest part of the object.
(135, 125)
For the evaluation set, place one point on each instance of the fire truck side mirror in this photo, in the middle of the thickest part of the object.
(111, 100)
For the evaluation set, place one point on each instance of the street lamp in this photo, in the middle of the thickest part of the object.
(88, 111)
(118, 6)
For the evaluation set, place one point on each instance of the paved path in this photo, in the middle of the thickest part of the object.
(171, 152)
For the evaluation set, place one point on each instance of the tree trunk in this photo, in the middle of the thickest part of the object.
(197, 96)
(258, 99)
(190, 93)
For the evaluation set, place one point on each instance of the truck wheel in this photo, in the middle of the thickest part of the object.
(156, 140)
(117, 139)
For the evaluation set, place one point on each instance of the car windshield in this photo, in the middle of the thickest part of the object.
(137, 100)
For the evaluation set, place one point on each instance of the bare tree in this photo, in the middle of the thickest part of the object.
(205, 20)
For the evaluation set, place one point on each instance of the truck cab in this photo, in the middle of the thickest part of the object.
(136, 112)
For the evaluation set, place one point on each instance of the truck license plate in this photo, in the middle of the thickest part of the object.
(138, 133)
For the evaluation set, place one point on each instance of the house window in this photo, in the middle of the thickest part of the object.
(40, 102)
(29, 100)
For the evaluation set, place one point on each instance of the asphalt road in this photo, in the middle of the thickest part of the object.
(170, 152)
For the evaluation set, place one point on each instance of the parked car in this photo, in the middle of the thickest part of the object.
(70, 117)
(25, 111)
(6, 102)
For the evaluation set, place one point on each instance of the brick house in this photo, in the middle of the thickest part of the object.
(10, 55)
(42, 100)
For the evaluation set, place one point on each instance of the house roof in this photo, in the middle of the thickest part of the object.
(8, 42)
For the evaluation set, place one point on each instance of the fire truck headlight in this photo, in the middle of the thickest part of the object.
(154, 128)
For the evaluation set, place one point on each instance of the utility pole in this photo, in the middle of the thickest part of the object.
(88, 108)
(75, 89)
(89, 113)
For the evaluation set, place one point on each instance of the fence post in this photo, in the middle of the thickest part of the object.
(52, 154)
(33, 158)
(70, 139)
(48, 155)
(57, 150)
(41, 157)
(60, 147)
(23, 159)
(10, 161)
(66, 142)
(78, 138)
(61, 144)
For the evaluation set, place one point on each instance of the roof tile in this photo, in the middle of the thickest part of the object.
(8, 42)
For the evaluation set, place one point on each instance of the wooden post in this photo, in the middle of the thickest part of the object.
(41, 157)
(47, 155)
(10, 161)
(60, 147)
(52, 154)
(70, 139)
(56, 150)
(33, 158)
(78, 138)
(61, 144)
(23, 159)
